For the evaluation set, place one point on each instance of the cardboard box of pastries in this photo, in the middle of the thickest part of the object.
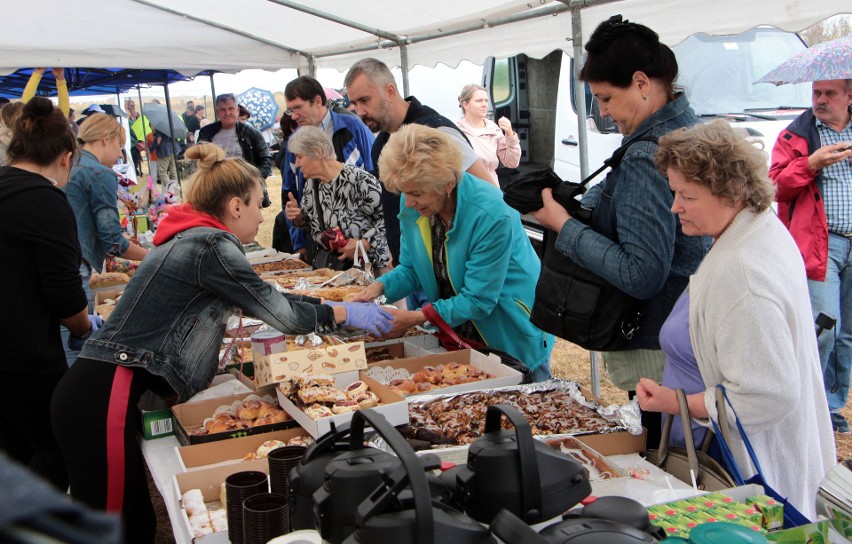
(199, 456)
(439, 383)
(333, 358)
(389, 404)
(189, 420)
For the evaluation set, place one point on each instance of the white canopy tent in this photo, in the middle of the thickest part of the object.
(194, 35)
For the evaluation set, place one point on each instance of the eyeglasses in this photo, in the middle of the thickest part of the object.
(294, 109)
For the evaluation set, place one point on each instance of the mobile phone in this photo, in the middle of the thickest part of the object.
(847, 148)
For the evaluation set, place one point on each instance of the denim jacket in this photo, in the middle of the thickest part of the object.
(93, 192)
(652, 258)
(171, 318)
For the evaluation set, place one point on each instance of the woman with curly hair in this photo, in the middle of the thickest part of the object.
(745, 320)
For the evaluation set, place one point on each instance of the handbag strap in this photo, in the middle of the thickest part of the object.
(435, 319)
(724, 444)
(686, 420)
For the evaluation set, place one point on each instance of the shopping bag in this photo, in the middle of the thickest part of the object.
(683, 463)
(792, 517)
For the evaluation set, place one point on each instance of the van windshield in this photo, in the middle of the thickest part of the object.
(718, 73)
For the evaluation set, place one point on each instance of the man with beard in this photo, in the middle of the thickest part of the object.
(812, 170)
(373, 91)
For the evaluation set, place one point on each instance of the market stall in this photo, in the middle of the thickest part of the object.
(535, 449)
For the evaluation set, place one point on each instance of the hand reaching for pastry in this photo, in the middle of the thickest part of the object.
(369, 317)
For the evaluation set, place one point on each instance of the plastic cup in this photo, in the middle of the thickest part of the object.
(238, 487)
(281, 461)
(265, 516)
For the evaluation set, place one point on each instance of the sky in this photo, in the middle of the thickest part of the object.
(437, 87)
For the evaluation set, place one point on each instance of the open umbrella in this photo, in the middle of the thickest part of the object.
(822, 62)
(113, 110)
(158, 118)
(262, 105)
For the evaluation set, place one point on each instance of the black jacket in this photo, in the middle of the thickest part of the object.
(255, 149)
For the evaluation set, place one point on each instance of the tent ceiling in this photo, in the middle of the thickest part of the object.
(194, 35)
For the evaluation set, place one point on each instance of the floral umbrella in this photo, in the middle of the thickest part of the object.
(822, 62)
(262, 106)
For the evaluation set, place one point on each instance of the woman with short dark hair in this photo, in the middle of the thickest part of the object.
(632, 240)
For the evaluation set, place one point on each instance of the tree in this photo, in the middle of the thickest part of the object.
(829, 29)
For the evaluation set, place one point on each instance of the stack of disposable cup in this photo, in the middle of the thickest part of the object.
(239, 487)
(281, 462)
(265, 516)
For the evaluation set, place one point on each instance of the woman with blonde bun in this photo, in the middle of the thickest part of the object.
(165, 332)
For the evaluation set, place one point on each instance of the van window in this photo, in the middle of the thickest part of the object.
(597, 123)
(501, 88)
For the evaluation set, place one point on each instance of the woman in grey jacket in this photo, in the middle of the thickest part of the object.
(165, 332)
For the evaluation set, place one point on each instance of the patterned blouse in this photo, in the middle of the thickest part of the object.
(351, 201)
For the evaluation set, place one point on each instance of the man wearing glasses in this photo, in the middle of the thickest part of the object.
(238, 139)
(352, 141)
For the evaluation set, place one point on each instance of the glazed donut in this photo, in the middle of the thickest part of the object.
(249, 409)
(356, 388)
(264, 449)
(303, 441)
(344, 407)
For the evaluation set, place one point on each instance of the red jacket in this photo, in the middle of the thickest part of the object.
(799, 192)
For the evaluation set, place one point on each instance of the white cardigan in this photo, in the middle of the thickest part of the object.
(752, 330)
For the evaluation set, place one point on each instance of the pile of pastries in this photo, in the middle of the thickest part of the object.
(315, 277)
(436, 377)
(286, 264)
(337, 294)
(252, 412)
(202, 520)
(264, 449)
(461, 419)
(318, 396)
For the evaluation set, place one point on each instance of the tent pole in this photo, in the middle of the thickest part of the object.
(171, 128)
(213, 94)
(403, 65)
(145, 143)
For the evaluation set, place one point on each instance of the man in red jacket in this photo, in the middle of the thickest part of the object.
(812, 169)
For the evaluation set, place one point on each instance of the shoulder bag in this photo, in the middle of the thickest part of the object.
(682, 463)
(576, 304)
(792, 517)
(451, 341)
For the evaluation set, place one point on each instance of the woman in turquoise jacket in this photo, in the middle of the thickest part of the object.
(463, 247)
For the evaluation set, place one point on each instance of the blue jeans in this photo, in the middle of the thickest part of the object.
(834, 297)
(71, 354)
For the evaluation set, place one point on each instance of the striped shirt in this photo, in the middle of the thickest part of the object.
(837, 181)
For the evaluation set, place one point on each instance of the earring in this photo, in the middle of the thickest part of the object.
(644, 97)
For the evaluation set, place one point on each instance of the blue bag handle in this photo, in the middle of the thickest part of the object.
(792, 517)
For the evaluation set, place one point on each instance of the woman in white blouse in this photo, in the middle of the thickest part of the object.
(494, 143)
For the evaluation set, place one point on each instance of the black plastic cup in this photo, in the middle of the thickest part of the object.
(281, 461)
(265, 516)
(238, 487)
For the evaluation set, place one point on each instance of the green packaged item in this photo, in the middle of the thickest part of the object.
(771, 511)
(705, 516)
(711, 501)
(812, 533)
(671, 529)
(747, 512)
(660, 512)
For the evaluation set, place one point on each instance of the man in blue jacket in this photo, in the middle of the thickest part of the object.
(352, 141)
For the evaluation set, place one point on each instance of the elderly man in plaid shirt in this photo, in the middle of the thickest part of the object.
(811, 167)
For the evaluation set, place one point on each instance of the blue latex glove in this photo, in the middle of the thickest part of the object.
(77, 343)
(368, 316)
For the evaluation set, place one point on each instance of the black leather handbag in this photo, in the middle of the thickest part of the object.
(576, 304)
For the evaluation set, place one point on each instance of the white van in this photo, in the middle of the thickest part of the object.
(717, 72)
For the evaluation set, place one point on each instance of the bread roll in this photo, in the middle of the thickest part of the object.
(108, 279)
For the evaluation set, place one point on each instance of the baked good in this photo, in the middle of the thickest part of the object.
(428, 374)
(356, 388)
(108, 279)
(267, 409)
(274, 417)
(303, 441)
(317, 411)
(193, 502)
(249, 409)
(200, 524)
(223, 493)
(218, 519)
(344, 407)
(264, 449)
(308, 380)
(402, 387)
(368, 399)
(453, 371)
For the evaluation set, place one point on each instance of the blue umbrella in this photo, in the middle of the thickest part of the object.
(262, 106)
